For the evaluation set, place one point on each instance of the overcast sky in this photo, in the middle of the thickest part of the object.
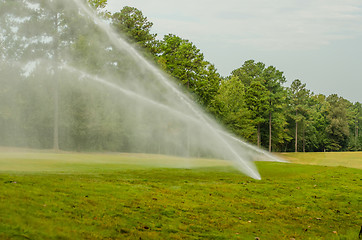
(316, 41)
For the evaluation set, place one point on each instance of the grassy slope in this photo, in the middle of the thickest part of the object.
(84, 196)
(346, 159)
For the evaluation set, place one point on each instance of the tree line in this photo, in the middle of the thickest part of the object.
(252, 101)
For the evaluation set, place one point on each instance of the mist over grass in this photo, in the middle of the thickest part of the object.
(72, 83)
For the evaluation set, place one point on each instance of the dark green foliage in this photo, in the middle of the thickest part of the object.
(270, 80)
(256, 99)
(131, 22)
(252, 102)
(98, 4)
(230, 107)
(184, 61)
(337, 118)
(299, 96)
(315, 133)
(355, 140)
(207, 85)
(298, 120)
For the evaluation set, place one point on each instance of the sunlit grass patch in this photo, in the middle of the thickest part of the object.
(45, 161)
(160, 202)
(346, 159)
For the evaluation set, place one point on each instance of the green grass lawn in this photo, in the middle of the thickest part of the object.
(346, 159)
(125, 196)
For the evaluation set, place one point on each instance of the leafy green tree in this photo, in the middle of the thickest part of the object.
(358, 125)
(98, 4)
(131, 22)
(337, 129)
(249, 71)
(273, 80)
(355, 115)
(230, 107)
(257, 100)
(310, 116)
(298, 99)
(184, 61)
(207, 85)
(316, 124)
(49, 32)
(13, 14)
(34, 43)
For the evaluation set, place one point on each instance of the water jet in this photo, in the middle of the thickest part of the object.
(90, 90)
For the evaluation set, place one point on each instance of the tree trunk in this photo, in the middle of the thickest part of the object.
(56, 115)
(56, 89)
(296, 131)
(270, 131)
(188, 144)
(356, 132)
(258, 135)
(303, 137)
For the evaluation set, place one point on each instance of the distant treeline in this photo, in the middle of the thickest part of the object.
(252, 102)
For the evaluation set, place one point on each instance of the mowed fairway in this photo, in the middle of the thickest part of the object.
(46, 195)
(346, 159)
